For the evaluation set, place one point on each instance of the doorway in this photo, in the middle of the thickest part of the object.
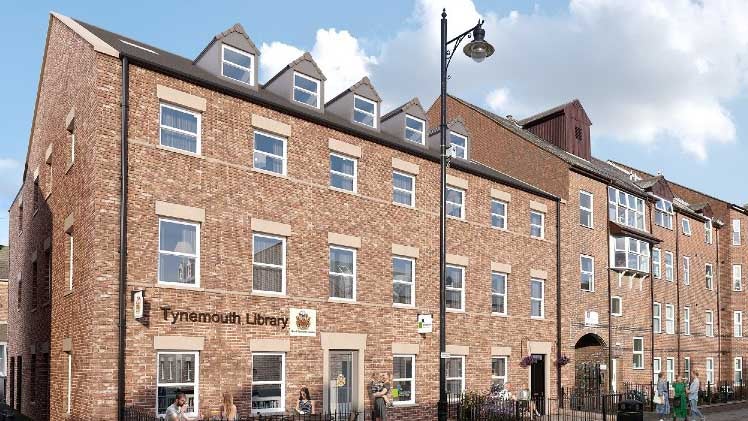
(342, 382)
(537, 382)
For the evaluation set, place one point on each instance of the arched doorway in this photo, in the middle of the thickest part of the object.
(589, 356)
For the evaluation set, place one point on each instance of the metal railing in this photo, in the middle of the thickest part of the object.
(571, 407)
(139, 414)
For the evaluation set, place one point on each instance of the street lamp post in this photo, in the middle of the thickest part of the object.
(477, 49)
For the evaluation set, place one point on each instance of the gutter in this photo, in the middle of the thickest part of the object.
(123, 240)
(678, 267)
(717, 272)
(651, 307)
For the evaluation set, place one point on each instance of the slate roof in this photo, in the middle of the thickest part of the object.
(399, 109)
(594, 166)
(177, 66)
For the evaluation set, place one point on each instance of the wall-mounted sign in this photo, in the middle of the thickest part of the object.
(303, 322)
(232, 318)
(425, 323)
(137, 304)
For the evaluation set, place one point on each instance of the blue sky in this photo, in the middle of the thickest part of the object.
(664, 81)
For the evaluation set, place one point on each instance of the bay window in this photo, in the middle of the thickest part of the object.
(625, 208)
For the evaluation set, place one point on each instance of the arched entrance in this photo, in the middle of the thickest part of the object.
(589, 354)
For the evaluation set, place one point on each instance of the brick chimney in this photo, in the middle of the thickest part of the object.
(566, 126)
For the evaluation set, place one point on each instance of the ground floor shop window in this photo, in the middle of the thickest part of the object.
(403, 379)
(177, 372)
(268, 382)
(455, 375)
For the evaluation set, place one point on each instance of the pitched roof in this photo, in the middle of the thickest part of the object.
(363, 83)
(177, 66)
(551, 111)
(307, 56)
(594, 166)
(4, 262)
(236, 28)
(413, 102)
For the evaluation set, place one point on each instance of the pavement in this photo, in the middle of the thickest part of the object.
(724, 412)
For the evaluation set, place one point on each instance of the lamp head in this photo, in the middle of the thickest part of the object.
(478, 49)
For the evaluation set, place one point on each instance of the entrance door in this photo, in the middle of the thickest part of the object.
(342, 382)
(537, 382)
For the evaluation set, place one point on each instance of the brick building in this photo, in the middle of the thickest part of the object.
(263, 238)
(4, 267)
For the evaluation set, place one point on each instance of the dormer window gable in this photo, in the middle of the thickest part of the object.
(408, 122)
(301, 82)
(358, 104)
(231, 55)
(458, 139)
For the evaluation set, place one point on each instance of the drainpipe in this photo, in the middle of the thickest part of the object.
(558, 297)
(610, 318)
(651, 303)
(716, 273)
(123, 242)
(677, 290)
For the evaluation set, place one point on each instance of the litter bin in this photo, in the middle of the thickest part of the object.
(630, 410)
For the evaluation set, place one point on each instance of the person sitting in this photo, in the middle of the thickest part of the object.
(305, 404)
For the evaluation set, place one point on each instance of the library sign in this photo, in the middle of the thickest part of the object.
(302, 322)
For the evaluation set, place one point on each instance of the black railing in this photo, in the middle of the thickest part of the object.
(139, 414)
(572, 407)
(723, 392)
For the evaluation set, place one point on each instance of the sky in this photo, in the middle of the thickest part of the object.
(663, 81)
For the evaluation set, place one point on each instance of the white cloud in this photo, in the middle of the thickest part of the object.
(337, 53)
(647, 71)
(8, 164)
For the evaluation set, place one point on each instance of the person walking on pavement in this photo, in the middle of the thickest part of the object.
(693, 396)
(663, 392)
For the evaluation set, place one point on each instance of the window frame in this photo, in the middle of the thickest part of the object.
(642, 255)
(616, 204)
(737, 369)
(639, 366)
(505, 377)
(708, 231)
(737, 324)
(354, 275)
(423, 132)
(318, 94)
(250, 70)
(198, 227)
(737, 281)
(736, 232)
(198, 135)
(542, 224)
(282, 267)
(670, 369)
(462, 371)
(709, 323)
(656, 263)
(412, 281)
(541, 299)
(620, 306)
(669, 268)
(687, 367)
(462, 290)
(4, 359)
(709, 276)
(465, 148)
(669, 319)
(686, 226)
(71, 259)
(461, 204)
(667, 215)
(354, 176)
(69, 390)
(657, 316)
(504, 296)
(504, 217)
(412, 379)
(687, 270)
(687, 320)
(656, 368)
(284, 158)
(282, 383)
(591, 209)
(412, 192)
(582, 272)
(373, 116)
(195, 384)
(709, 371)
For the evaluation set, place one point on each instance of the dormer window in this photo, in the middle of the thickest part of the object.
(238, 65)
(306, 90)
(364, 111)
(415, 129)
(459, 142)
